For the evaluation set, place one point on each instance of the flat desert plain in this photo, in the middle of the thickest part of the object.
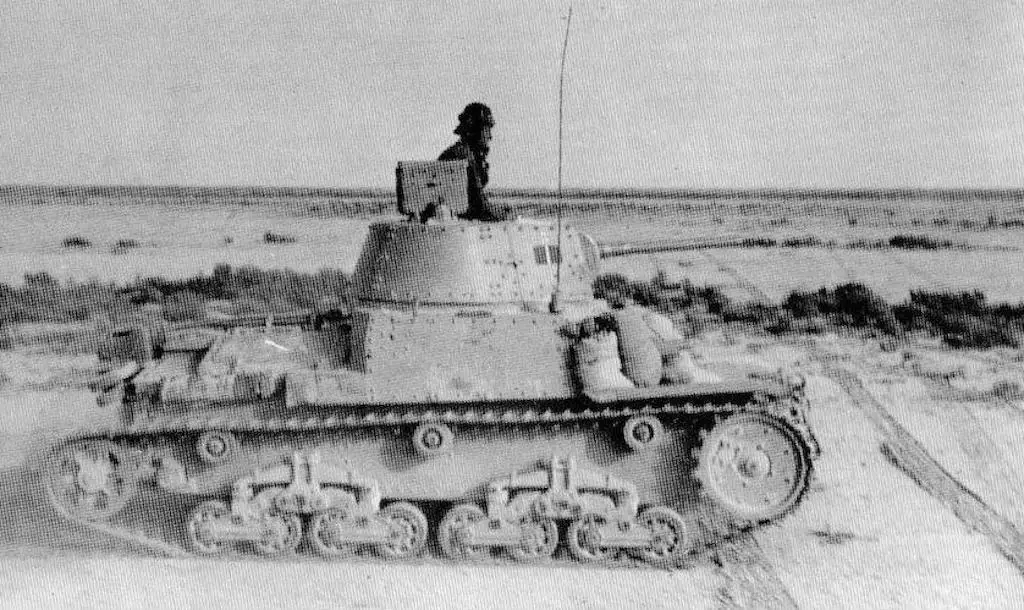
(175, 238)
(915, 500)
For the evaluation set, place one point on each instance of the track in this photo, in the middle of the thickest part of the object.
(906, 453)
(750, 580)
(139, 524)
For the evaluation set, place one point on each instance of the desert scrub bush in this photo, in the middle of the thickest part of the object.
(934, 305)
(758, 242)
(123, 245)
(185, 305)
(76, 241)
(864, 243)
(918, 242)
(755, 312)
(44, 299)
(1008, 390)
(905, 242)
(806, 241)
(263, 290)
(978, 333)
(660, 294)
(278, 238)
(847, 305)
(962, 319)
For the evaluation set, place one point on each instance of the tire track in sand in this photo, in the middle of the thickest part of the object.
(750, 581)
(909, 455)
(741, 281)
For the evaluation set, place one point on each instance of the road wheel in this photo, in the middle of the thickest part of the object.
(450, 532)
(407, 531)
(670, 536)
(584, 539)
(322, 536)
(198, 535)
(283, 533)
(538, 542)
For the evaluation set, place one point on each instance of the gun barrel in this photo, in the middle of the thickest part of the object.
(613, 249)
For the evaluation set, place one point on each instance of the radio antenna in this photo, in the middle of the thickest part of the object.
(555, 305)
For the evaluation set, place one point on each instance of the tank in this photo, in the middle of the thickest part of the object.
(473, 400)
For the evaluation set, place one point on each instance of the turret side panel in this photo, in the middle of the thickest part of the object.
(408, 263)
(536, 249)
(415, 263)
(448, 357)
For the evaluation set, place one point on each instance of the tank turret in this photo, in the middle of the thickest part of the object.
(443, 263)
(474, 372)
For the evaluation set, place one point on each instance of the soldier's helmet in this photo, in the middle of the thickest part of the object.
(474, 118)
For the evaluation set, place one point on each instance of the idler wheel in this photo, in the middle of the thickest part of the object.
(198, 535)
(584, 539)
(754, 466)
(432, 438)
(451, 532)
(90, 479)
(642, 432)
(322, 536)
(216, 446)
(538, 542)
(283, 533)
(670, 537)
(407, 531)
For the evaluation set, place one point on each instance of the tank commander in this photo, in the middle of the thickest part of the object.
(474, 131)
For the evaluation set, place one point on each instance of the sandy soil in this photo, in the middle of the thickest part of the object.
(873, 539)
(867, 535)
(177, 241)
(174, 241)
(879, 540)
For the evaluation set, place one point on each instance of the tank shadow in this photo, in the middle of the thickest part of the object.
(28, 524)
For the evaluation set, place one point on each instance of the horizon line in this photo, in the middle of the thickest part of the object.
(260, 191)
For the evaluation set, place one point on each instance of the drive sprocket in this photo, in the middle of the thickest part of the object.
(754, 466)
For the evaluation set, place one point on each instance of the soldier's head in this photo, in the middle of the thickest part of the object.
(475, 123)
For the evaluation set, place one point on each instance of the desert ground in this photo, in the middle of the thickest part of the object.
(915, 500)
(175, 239)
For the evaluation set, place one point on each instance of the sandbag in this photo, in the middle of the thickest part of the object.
(598, 364)
(641, 358)
(680, 368)
(667, 338)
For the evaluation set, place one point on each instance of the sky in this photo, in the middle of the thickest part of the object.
(658, 94)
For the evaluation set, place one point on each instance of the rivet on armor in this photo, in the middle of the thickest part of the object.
(215, 446)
